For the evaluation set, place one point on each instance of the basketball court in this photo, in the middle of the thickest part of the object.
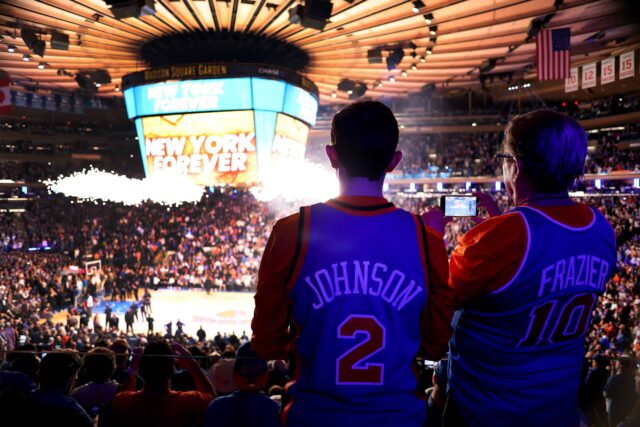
(223, 312)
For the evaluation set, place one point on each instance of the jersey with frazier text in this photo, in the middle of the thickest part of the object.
(357, 297)
(517, 353)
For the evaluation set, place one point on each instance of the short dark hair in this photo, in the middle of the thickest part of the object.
(58, 367)
(156, 363)
(551, 146)
(99, 364)
(365, 135)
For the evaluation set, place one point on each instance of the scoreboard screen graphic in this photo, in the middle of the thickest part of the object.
(212, 148)
(221, 130)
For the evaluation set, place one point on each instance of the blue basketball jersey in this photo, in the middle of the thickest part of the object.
(516, 354)
(356, 304)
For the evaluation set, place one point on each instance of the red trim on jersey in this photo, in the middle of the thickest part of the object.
(294, 378)
(489, 255)
(361, 205)
(301, 247)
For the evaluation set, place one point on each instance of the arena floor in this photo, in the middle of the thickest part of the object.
(217, 311)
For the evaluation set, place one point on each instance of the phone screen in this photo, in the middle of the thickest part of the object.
(459, 205)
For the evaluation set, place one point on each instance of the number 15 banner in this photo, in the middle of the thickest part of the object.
(627, 67)
(608, 70)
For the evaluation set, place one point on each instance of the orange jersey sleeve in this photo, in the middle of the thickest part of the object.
(272, 312)
(435, 322)
(489, 255)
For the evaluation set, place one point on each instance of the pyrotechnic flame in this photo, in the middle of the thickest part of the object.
(94, 184)
(297, 181)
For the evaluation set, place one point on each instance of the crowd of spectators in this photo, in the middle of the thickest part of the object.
(216, 244)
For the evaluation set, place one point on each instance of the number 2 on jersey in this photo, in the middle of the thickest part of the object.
(351, 368)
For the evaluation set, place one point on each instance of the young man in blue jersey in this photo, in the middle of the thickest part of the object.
(526, 282)
(351, 290)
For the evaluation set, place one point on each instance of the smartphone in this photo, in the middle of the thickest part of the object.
(457, 205)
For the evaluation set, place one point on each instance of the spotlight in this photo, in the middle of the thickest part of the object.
(131, 8)
(377, 83)
(98, 84)
(404, 73)
(42, 65)
(414, 66)
(117, 88)
(417, 5)
(433, 30)
(31, 40)
(358, 91)
(26, 58)
(394, 58)
(474, 124)
(428, 18)
(11, 48)
(433, 39)
(392, 79)
(314, 14)
(346, 85)
(349, 92)
(374, 56)
(429, 51)
(333, 94)
(423, 59)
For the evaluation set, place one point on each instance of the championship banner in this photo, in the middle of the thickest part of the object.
(608, 70)
(5, 94)
(589, 75)
(212, 148)
(627, 65)
(571, 83)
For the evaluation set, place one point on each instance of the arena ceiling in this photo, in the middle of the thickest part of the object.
(468, 34)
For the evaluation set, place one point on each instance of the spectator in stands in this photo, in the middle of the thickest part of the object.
(51, 400)
(157, 404)
(620, 391)
(99, 365)
(299, 302)
(506, 366)
(249, 406)
(592, 401)
(437, 395)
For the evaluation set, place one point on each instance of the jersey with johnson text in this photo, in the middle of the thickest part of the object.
(357, 300)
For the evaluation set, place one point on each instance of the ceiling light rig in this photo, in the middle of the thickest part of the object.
(26, 57)
(423, 59)
(392, 79)
(429, 51)
(414, 66)
(417, 5)
(404, 73)
(11, 48)
(428, 18)
(433, 30)
(42, 65)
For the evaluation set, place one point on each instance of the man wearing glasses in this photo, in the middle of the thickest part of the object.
(526, 282)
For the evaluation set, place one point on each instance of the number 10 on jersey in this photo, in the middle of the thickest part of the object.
(351, 367)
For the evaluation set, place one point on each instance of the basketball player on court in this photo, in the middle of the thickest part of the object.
(351, 290)
(526, 283)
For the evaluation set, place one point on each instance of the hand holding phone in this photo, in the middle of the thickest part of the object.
(459, 205)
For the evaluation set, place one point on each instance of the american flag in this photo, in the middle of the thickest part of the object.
(553, 56)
